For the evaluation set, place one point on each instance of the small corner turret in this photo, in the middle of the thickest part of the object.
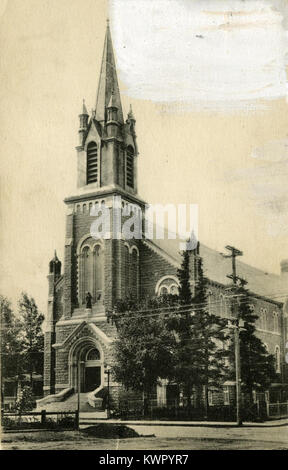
(55, 267)
(83, 117)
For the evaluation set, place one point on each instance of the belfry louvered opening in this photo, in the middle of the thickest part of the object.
(92, 163)
(130, 167)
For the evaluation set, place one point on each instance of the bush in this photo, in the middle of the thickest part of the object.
(26, 401)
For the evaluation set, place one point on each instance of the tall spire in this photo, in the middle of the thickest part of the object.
(108, 82)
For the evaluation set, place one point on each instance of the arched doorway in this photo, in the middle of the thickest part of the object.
(92, 366)
(86, 365)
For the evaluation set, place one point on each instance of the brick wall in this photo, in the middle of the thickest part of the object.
(152, 268)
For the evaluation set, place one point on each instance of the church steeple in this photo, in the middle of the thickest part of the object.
(108, 82)
(107, 150)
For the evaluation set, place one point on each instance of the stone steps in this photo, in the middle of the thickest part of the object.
(70, 404)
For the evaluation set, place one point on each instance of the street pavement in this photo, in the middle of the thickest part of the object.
(164, 436)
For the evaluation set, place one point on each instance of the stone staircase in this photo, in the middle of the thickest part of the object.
(71, 404)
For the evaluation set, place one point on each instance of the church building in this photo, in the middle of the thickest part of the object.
(99, 271)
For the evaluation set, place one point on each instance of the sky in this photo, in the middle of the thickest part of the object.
(207, 83)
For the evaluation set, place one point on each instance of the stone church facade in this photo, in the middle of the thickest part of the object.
(114, 268)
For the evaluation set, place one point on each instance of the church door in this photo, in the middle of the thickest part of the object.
(92, 378)
(92, 375)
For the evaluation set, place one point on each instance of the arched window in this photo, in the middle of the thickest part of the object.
(174, 290)
(263, 316)
(92, 163)
(277, 360)
(98, 273)
(163, 290)
(130, 167)
(91, 271)
(167, 285)
(87, 272)
(222, 305)
(276, 325)
(93, 355)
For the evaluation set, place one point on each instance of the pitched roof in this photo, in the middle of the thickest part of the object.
(216, 268)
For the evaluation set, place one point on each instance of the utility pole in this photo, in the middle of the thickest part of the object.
(108, 371)
(235, 314)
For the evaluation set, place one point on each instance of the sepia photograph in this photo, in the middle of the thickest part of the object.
(144, 239)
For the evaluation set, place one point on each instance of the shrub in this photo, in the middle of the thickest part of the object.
(26, 401)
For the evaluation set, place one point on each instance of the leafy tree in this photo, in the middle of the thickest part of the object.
(31, 334)
(257, 365)
(26, 401)
(11, 358)
(143, 349)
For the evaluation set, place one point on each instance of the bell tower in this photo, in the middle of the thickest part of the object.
(106, 168)
(107, 151)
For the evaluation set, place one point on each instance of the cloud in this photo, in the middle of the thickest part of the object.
(202, 54)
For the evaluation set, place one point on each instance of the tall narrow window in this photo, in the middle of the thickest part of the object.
(222, 306)
(92, 163)
(277, 360)
(226, 395)
(98, 273)
(276, 322)
(264, 319)
(210, 397)
(91, 271)
(87, 271)
(130, 167)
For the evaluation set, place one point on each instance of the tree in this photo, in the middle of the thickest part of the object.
(185, 294)
(31, 334)
(26, 401)
(210, 328)
(257, 365)
(188, 351)
(10, 345)
(143, 349)
(198, 359)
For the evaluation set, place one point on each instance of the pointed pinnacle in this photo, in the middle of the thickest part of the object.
(84, 109)
(130, 114)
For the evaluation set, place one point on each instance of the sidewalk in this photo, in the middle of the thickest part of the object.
(90, 418)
